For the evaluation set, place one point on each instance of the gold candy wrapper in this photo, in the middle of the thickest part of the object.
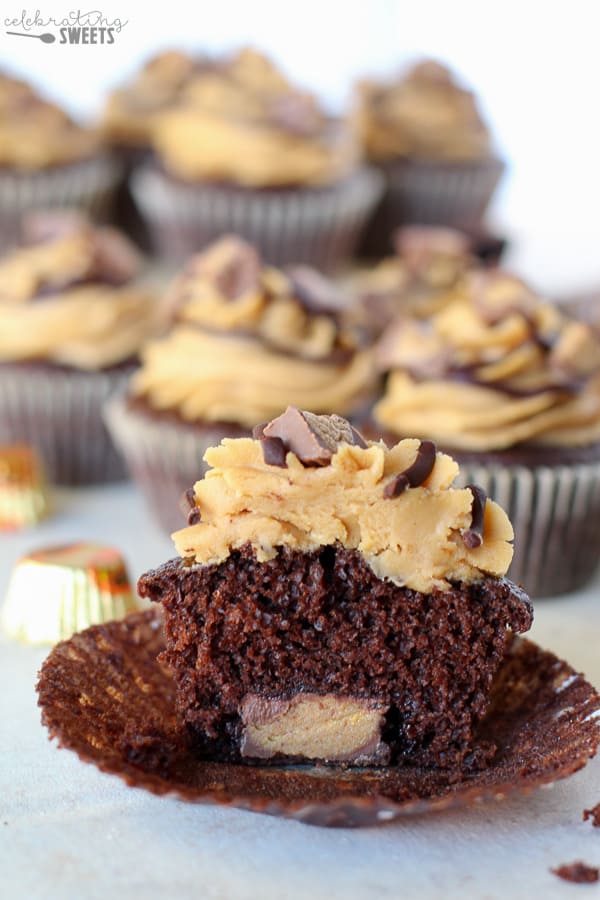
(57, 591)
(23, 494)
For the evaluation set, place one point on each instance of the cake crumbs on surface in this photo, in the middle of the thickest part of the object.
(577, 872)
(593, 814)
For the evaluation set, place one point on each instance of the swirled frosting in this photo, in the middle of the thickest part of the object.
(424, 115)
(417, 537)
(37, 134)
(494, 368)
(248, 339)
(71, 298)
(429, 265)
(239, 120)
(130, 111)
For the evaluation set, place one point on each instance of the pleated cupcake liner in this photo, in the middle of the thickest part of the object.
(431, 193)
(163, 457)
(59, 412)
(316, 226)
(88, 185)
(555, 511)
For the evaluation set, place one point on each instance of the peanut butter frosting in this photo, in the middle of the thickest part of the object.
(71, 298)
(429, 266)
(130, 111)
(239, 120)
(247, 339)
(424, 115)
(418, 535)
(494, 368)
(35, 133)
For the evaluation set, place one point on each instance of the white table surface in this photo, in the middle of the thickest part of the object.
(69, 831)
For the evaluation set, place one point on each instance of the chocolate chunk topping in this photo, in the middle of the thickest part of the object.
(577, 872)
(473, 536)
(593, 814)
(419, 244)
(239, 269)
(316, 293)
(189, 508)
(314, 439)
(416, 474)
(273, 447)
(50, 225)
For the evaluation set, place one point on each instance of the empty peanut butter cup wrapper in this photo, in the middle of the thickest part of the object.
(57, 591)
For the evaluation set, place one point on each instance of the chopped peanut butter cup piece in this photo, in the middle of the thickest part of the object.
(314, 439)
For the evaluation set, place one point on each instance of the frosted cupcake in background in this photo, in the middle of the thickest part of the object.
(511, 385)
(72, 319)
(425, 133)
(247, 340)
(244, 151)
(47, 160)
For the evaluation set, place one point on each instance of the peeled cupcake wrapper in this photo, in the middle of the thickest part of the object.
(60, 413)
(163, 457)
(316, 226)
(555, 511)
(87, 185)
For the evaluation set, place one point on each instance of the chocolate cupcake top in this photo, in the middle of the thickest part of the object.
(35, 133)
(130, 111)
(246, 338)
(240, 121)
(310, 481)
(430, 263)
(424, 115)
(69, 296)
(495, 368)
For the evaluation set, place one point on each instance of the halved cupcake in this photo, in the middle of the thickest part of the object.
(336, 601)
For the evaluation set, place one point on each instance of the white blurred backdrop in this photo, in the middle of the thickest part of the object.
(535, 65)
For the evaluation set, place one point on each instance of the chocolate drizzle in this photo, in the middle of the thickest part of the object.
(473, 536)
(414, 475)
(189, 508)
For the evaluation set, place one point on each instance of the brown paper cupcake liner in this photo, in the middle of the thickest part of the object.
(104, 695)
(431, 193)
(316, 226)
(59, 411)
(87, 185)
(555, 511)
(164, 456)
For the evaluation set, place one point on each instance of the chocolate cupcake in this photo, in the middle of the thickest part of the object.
(336, 602)
(72, 318)
(511, 385)
(247, 152)
(47, 161)
(246, 339)
(426, 135)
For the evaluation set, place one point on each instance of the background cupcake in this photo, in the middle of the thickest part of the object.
(512, 385)
(72, 319)
(426, 134)
(47, 161)
(247, 152)
(247, 340)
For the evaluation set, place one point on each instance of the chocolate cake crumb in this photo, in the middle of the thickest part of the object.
(577, 872)
(593, 814)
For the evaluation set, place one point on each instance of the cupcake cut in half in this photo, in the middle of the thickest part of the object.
(73, 316)
(246, 340)
(336, 601)
(512, 385)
